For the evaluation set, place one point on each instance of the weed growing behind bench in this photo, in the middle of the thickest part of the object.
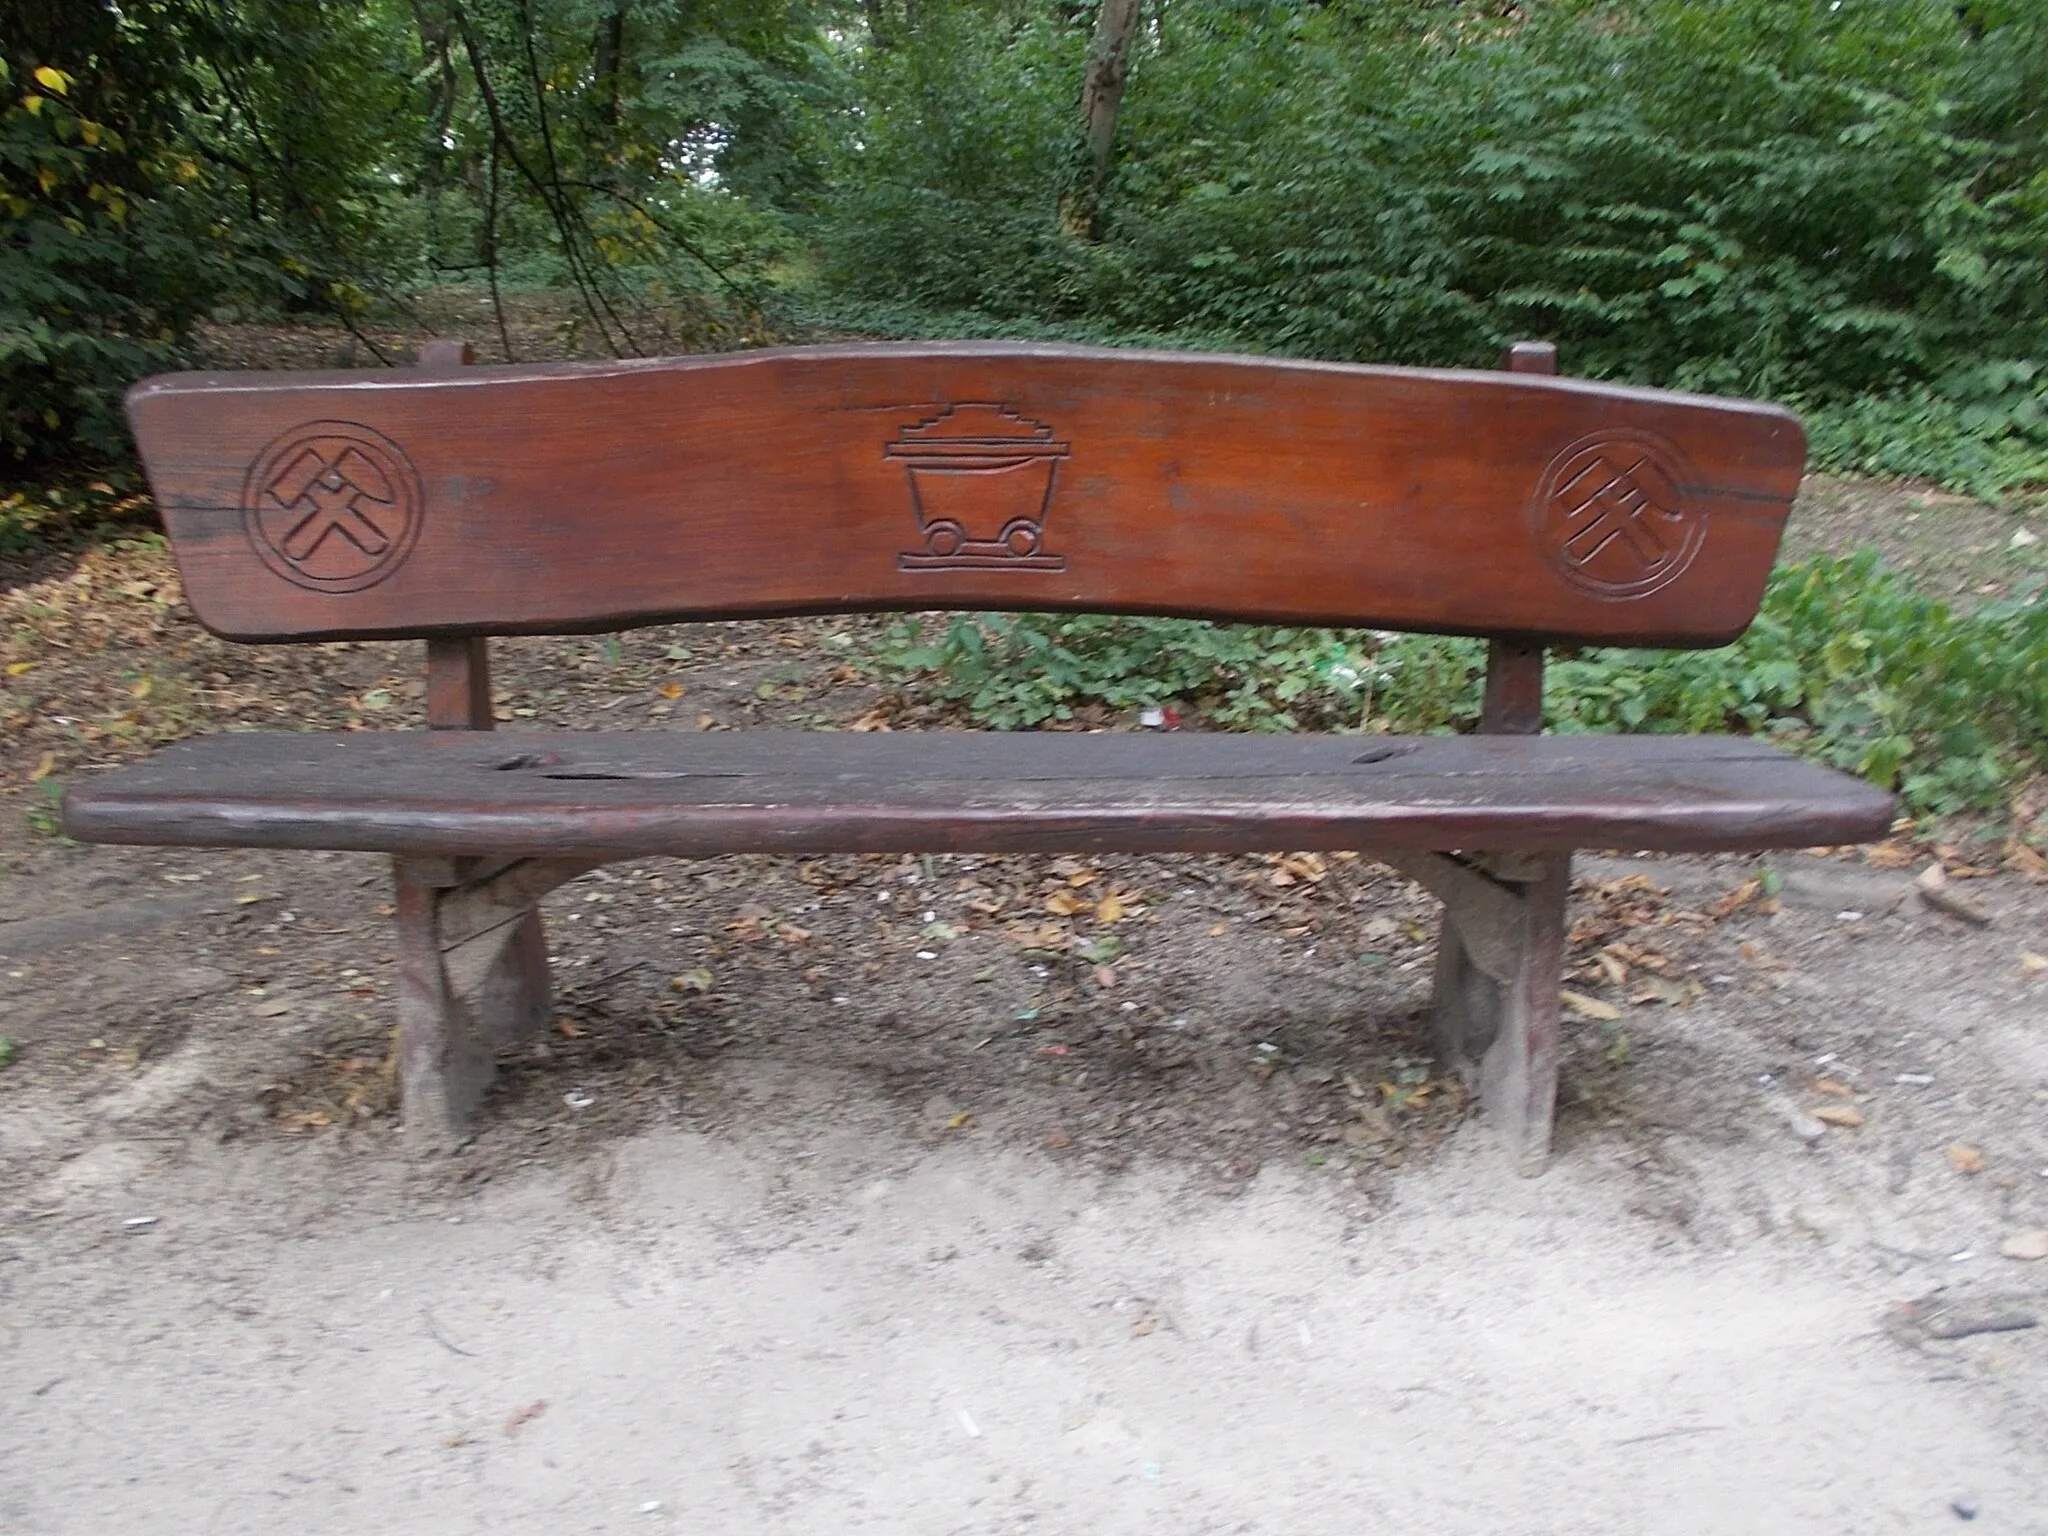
(1846, 662)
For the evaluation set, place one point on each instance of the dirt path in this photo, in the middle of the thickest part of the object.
(779, 1286)
(977, 1195)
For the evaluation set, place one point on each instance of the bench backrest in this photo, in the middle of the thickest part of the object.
(561, 499)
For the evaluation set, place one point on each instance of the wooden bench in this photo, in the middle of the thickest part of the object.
(452, 504)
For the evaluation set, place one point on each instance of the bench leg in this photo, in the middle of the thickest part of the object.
(1499, 966)
(444, 1064)
(472, 980)
(1518, 1070)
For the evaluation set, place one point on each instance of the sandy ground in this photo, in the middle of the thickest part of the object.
(786, 1298)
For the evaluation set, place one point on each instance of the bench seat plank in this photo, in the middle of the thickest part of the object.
(631, 794)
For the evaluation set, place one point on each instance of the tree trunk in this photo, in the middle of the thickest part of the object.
(608, 53)
(437, 52)
(1102, 93)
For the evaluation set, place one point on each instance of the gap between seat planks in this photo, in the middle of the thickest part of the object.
(452, 503)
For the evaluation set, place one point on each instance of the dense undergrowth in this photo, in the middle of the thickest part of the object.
(1846, 663)
(1844, 206)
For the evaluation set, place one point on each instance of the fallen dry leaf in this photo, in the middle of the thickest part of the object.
(1588, 1007)
(2033, 966)
(1967, 1159)
(1081, 877)
(570, 1029)
(1046, 935)
(1736, 899)
(670, 690)
(1829, 1086)
(961, 1121)
(1110, 909)
(1838, 1114)
(1890, 855)
(698, 980)
(2023, 858)
(1217, 930)
(45, 768)
(1143, 1324)
(1673, 994)
(1065, 904)
(524, 1416)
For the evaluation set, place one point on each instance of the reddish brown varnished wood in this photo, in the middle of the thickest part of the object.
(1513, 701)
(984, 475)
(459, 684)
(452, 504)
(637, 793)
(1530, 357)
(444, 352)
(504, 1000)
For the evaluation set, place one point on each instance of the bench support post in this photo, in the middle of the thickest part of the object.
(472, 980)
(1499, 965)
(1500, 954)
(444, 1031)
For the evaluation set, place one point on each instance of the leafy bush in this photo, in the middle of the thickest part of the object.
(1804, 201)
(1846, 662)
(162, 157)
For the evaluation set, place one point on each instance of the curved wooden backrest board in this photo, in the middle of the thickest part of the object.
(982, 476)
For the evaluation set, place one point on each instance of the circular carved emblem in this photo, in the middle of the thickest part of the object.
(1611, 514)
(332, 506)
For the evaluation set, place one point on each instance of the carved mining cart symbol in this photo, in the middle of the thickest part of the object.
(981, 482)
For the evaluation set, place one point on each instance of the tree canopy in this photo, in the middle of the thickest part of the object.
(1843, 203)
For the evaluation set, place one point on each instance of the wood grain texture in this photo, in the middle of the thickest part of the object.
(981, 476)
(1512, 702)
(634, 793)
(459, 684)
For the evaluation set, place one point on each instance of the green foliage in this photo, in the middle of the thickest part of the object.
(162, 158)
(1839, 203)
(1850, 664)
(58, 515)
(1809, 201)
(1021, 670)
(1846, 662)
(1983, 429)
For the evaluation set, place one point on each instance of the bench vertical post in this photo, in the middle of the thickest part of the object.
(447, 1035)
(1508, 1022)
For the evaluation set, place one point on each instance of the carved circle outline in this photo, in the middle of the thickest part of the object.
(381, 450)
(1669, 462)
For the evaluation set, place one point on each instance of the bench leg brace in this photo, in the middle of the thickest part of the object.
(472, 980)
(1499, 965)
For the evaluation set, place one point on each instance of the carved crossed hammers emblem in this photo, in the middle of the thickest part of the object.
(333, 497)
